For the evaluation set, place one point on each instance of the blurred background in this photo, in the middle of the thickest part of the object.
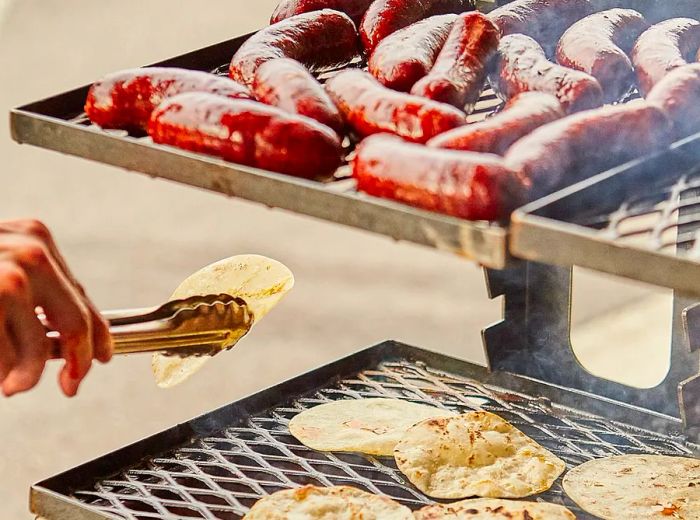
(131, 240)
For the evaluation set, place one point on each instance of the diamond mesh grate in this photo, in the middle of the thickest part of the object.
(220, 476)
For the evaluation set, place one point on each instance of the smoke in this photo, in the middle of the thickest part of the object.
(655, 10)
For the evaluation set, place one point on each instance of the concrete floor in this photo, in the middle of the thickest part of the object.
(131, 240)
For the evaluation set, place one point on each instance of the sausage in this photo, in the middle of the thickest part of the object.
(599, 44)
(662, 48)
(287, 84)
(473, 186)
(543, 20)
(459, 73)
(125, 99)
(587, 143)
(288, 8)
(521, 115)
(320, 40)
(521, 66)
(404, 57)
(247, 132)
(385, 17)
(679, 95)
(370, 108)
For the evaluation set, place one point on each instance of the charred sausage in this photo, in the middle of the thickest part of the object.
(247, 132)
(320, 40)
(587, 143)
(407, 55)
(599, 45)
(385, 17)
(287, 84)
(370, 108)
(472, 186)
(126, 99)
(543, 20)
(521, 66)
(521, 115)
(288, 8)
(459, 73)
(679, 95)
(662, 48)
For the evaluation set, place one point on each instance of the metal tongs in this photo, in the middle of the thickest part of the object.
(196, 326)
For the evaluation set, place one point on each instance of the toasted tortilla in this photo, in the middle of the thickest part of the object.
(637, 486)
(333, 503)
(258, 280)
(477, 454)
(371, 426)
(495, 509)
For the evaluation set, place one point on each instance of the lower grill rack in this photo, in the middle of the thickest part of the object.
(217, 466)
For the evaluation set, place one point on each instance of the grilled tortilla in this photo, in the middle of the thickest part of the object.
(495, 509)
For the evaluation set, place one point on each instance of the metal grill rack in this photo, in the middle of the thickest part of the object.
(219, 465)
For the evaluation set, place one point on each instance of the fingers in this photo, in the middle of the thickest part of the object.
(8, 350)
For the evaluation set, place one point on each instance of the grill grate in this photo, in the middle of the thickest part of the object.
(220, 476)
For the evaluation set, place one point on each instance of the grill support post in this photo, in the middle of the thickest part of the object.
(534, 340)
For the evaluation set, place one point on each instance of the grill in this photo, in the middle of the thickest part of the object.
(220, 464)
(638, 220)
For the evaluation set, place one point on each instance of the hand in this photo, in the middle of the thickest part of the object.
(34, 278)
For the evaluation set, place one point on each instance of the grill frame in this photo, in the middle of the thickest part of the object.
(51, 498)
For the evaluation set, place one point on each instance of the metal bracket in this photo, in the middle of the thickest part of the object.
(533, 340)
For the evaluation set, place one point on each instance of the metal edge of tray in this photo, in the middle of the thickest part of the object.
(537, 234)
(48, 497)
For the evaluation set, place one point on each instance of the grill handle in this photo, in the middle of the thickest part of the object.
(197, 326)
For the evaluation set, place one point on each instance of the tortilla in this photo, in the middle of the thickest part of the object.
(475, 454)
(371, 426)
(495, 509)
(258, 280)
(637, 486)
(333, 503)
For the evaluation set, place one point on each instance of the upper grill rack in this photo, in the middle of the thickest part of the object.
(219, 474)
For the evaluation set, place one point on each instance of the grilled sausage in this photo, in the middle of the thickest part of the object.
(521, 66)
(543, 20)
(287, 84)
(587, 143)
(599, 44)
(385, 17)
(320, 40)
(679, 95)
(523, 114)
(662, 48)
(126, 99)
(407, 55)
(247, 132)
(473, 186)
(370, 108)
(288, 8)
(459, 73)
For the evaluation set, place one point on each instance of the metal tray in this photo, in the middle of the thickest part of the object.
(639, 221)
(58, 123)
(218, 465)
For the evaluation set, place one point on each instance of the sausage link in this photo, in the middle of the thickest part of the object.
(543, 20)
(355, 9)
(320, 40)
(679, 95)
(385, 17)
(287, 84)
(459, 73)
(662, 48)
(523, 114)
(247, 132)
(125, 99)
(599, 45)
(472, 186)
(370, 108)
(588, 143)
(407, 55)
(521, 66)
